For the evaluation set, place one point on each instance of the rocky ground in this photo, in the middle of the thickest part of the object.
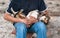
(6, 27)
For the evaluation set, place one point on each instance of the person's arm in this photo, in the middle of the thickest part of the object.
(7, 15)
(10, 18)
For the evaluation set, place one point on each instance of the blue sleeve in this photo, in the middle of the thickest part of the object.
(9, 8)
(42, 5)
(14, 5)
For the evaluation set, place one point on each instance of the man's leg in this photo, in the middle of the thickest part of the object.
(21, 30)
(40, 29)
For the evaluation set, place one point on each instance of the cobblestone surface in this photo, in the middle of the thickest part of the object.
(6, 28)
(53, 6)
(54, 27)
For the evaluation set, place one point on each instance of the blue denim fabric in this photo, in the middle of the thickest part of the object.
(39, 28)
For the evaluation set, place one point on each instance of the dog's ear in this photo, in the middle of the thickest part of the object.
(13, 11)
(20, 11)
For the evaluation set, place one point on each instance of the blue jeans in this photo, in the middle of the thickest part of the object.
(39, 28)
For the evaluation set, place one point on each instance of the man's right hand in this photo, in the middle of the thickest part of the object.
(23, 20)
(26, 21)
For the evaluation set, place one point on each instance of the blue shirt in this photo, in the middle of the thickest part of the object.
(27, 5)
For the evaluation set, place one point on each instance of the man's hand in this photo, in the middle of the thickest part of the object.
(29, 21)
(32, 19)
(26, 21)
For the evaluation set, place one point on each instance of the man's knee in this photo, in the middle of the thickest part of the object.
(20, 26)
(40, 26)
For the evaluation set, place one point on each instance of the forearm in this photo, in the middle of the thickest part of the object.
(10, 18)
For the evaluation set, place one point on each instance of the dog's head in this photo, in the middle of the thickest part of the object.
(19, 14)
(44, 18)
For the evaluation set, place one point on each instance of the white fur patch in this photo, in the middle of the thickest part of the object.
(33, 14)
(13, 11)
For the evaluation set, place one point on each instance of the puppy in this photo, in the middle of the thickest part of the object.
(34, 14)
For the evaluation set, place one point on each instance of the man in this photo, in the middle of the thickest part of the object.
(22, 25)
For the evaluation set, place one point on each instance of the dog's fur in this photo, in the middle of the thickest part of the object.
(40, 16)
